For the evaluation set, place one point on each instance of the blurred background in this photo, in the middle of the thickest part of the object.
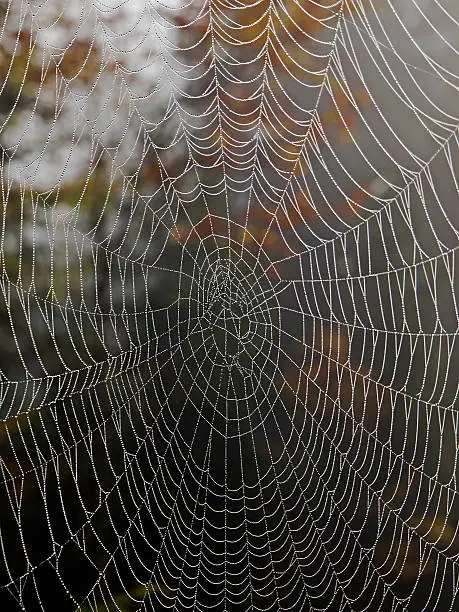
(228, 319)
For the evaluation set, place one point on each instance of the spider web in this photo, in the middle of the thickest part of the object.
(228, 317)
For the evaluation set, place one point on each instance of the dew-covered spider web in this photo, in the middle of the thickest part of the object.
(228, 320)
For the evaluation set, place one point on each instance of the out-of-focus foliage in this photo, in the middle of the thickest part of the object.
(126, 602)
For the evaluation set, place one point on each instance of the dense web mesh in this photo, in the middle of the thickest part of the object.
(228, 322)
